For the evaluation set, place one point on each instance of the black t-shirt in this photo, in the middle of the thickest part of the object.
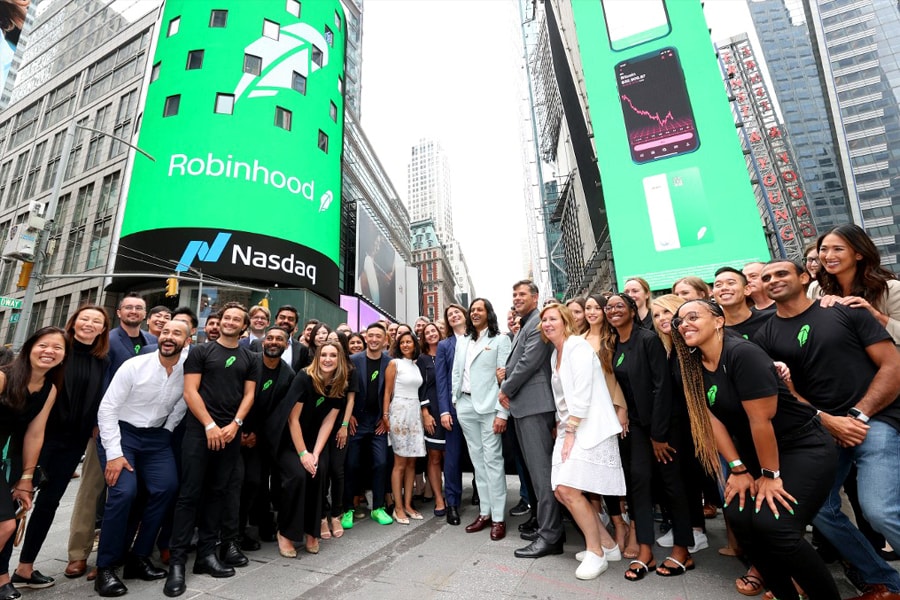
(316, 407)
(746, 373)
(138, 343)
(621, 371)
(825, 349)
(14, 424)
(224, 372)
(373, 378)
(749, 326)
(263, 400)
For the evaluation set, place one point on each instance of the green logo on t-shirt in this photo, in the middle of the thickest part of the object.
(711, 394)
(320, 401)
(621, 358)
(267, 384)
(745, 336)
(803, 335)
(137, 348)
(230, 361)
(374, 375)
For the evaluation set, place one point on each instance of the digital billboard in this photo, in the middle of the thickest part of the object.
(244, 116)
(675, 184)
(379, 269)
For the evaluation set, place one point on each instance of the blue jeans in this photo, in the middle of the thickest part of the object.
(879, 493)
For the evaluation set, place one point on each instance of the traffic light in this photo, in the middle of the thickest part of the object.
(25, 274)
(171, 287)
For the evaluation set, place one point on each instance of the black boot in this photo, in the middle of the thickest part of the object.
(210, 565)
(175, 581)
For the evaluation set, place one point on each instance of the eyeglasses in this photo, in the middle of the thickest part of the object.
(811, 260)
(690, 317)
(134, 307)
(615, 307)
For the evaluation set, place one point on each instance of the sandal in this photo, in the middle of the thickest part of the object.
(337, 530)
(680, 569)
(640, 572)
(325, 532)
(753, 585)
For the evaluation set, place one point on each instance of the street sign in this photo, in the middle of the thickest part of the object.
(14, 318)
(10, 302)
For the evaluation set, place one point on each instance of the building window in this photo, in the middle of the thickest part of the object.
(195, 60)
(293, 7)
(154, 72)
(127, 107)
(323, 141)
(61, 311)
(252, 64)
(329, 36)
(38, 312)
(317, 56)
(282, 118)
(18, 174)
(95, 145)
(298, 82)
(73, 250)
(224, 104)
(218, 18)
(82, 203)
(173, 26)
(337, 20)
(99, 243)
(340, 85)
(271, 29)
(88, 296)
(332, 112)
(172, 103)
(37, 161)
(109, 194)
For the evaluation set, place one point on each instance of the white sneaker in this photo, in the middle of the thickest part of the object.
(592, 566)
(666, 540)
(613, 554)
(701, 542)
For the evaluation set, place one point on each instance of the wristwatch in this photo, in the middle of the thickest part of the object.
(240, 422)
(769, 474)
(858, 415)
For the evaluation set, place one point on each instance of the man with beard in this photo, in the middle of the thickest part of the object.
(219, 387)
(211, 329)
(136, 418)
(295, 354)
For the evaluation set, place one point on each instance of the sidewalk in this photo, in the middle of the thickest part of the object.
(427, 559)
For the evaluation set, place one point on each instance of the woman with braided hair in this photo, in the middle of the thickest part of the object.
(782, 462)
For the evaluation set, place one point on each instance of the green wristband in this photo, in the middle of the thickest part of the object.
(302, 453)
(345, 423)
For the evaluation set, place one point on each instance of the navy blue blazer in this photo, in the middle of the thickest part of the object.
(121, 349)
(359, 362)
(443, 373)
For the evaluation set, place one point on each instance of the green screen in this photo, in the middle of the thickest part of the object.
(244, 115)
(677, 192)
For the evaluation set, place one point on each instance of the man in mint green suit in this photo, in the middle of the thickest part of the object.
(475, 393)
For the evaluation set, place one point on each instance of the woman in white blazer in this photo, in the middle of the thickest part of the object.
(586, 452)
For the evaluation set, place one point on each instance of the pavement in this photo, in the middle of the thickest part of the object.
(426, 559)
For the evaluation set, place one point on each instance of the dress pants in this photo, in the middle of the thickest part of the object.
(486, 452)
(453, 457)
(205, 476)
(536, 436)
(332, 473)
(83, 523)
(777, 547)
(149, 451)
(59, 459)
(229, 531)
(376, 446)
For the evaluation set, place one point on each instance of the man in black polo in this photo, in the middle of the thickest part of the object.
(219, 387)
(730, 291)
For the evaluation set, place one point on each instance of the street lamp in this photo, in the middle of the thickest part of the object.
(37, 271)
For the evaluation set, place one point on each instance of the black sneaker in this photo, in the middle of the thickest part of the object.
(37, 581)
(522, 508)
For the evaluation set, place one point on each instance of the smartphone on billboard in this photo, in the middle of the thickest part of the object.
(678, 209)
(659, 120)
(630, 23)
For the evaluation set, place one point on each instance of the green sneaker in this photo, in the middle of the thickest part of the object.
(381, 517)
(347, 520)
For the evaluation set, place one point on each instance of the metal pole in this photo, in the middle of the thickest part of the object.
(199, 293)
(37, 271)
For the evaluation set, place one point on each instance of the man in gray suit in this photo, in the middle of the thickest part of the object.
(526, 392)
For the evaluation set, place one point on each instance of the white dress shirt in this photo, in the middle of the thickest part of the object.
(141, 394)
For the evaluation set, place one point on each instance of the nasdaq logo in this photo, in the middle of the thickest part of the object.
(202, 251)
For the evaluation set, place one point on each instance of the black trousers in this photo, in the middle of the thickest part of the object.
(205, 478)
(777, 547)
(333, 478)
(639, 477)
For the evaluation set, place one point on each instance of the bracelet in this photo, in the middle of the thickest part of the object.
(345, 423)
(744, 472)
(24, 490)
(26, 477)
(735, 463)
(572, 425)
(210, 425)
(385, 415)
(302, 453)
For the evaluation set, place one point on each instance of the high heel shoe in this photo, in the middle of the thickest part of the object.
(283, 545)
(325, 532)
(403, 521)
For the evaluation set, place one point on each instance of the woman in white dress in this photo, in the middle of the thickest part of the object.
(403, 421)
(586, 453)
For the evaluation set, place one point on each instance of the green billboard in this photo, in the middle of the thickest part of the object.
(244, 116)
(675, 183)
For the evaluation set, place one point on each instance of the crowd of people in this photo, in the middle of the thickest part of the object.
(772, 392)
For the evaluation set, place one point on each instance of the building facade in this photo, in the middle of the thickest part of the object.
(435, 270)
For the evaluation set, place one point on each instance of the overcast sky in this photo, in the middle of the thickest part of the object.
(449, 69)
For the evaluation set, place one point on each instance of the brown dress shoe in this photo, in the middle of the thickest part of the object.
(878, 592)
(92, 575)
(482, 522)
(498, 530)
(75, 569)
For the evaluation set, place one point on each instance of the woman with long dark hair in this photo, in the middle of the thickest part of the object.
(782, 461)
(317, 337)
(576, 307)
(435, 438)
(642, 370)
(28, 388)
(852, 275)
(70, 427)
(312, 406)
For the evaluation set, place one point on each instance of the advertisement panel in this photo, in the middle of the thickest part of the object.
(380, 271)
(12, 22)
(244, 116)
(677, 194)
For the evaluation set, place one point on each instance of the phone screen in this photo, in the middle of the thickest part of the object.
(678, 209)
(659, 120)
(630, 23)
